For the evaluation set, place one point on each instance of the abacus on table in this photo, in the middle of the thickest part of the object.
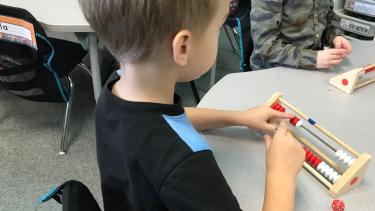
(329, 173)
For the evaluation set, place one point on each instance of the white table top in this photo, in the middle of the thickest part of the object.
(54, 15)
(240, 152)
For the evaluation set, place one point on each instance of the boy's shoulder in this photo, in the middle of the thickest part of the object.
(157, 136)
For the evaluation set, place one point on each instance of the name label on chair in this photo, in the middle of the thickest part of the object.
(17, 30)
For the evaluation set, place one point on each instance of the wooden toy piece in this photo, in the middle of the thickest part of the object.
(348, 81)
(317, 163)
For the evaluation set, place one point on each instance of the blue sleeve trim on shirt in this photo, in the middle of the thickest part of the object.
(183, 127)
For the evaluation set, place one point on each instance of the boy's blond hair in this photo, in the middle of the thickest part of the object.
(133, 29)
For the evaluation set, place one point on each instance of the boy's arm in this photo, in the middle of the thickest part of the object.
(331, 30)
(284, 160)
(204, 119)
(268, 48)
(280, 192)
(258, 118)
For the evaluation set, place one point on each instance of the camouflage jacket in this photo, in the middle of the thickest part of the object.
(289, 32)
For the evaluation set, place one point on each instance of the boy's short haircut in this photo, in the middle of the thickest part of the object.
(133, 29)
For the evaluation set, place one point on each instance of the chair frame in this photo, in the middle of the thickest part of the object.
(68, 108)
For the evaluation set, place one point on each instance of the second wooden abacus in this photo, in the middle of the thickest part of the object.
(336, 179)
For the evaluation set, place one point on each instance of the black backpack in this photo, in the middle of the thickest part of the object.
(33, 70)
(74, 196)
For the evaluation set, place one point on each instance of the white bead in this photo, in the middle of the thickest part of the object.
(320, 166)
(325, 169)
(347, 160)
(299, 123)
(329, 172)
(343, 156)
(332, 176)
(339, 153)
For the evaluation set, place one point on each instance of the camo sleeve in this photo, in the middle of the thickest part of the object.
(269, 49)
(332, 29)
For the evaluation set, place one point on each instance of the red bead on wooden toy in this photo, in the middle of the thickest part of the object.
(309, 155)
(278, 107)
(369, 68)
(313, 159)
(293, 121)
(316, 162)
(338, 205)
(273, 106)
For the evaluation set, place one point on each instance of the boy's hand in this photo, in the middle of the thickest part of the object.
(261, 118)
(341, 42)
(284, 154)
(330, 57)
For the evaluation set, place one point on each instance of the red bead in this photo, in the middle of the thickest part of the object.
(309, 155)
(282, 109)
(338, 205)
(274, 106)
(294, 121)
(316, 163)
(313, 159)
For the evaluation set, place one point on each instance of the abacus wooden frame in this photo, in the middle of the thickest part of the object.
(352, 176)
(348, 82)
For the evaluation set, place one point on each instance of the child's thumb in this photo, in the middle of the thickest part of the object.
(267, 141)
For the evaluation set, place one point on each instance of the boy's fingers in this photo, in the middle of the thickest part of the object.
(282, 115)
(269, 129)
(337, 51)
(334, 62)
(334, 57)
(338, 44)
(283, 128)
(267, 141)
(347, 46)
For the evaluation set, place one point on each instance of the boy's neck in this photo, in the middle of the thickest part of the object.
(147, 82)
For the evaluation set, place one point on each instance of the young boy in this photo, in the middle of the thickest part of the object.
(293, 33)
(150, 155)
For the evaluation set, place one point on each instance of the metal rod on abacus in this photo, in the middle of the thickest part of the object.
(320, 139)
(323, 130)
(305, 142)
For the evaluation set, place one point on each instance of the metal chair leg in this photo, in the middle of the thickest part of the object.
(195, 92)
(68, 106)
(85, 68)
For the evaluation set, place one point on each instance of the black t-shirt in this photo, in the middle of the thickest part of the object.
(151, 158)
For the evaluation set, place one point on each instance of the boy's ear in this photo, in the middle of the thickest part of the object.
(181, 47)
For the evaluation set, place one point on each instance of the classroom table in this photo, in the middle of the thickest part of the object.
(240, 152)
(65, 16)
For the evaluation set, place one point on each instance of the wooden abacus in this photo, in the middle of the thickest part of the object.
(317, 163)
(349, 81)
